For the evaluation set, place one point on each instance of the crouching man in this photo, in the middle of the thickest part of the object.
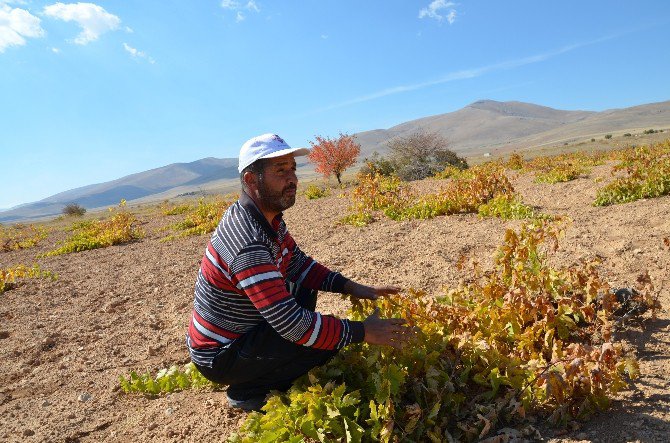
(254, 326)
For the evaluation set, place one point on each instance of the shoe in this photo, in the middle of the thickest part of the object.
(249, 404)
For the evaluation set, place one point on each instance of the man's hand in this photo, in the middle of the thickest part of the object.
(386, 331)
(369, 292)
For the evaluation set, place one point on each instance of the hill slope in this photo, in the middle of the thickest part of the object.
(487, 125)
(483, 126)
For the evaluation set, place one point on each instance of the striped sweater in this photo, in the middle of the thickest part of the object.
(242, 282)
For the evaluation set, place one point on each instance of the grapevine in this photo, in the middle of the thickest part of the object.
(9, 277)
(484, 189)
(525, 339)
(20, 236)
(647, 172)
(165, 381)
(200, 219)
(120, 228)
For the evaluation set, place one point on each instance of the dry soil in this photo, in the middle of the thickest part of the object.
(64, 343)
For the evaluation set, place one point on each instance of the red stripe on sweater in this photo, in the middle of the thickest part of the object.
(217, 257)
(270, 296)
(198, 340)
(316, 276)
(216, 329)
(305, 338)
(214, 276)
(259, 269)
(328, 330)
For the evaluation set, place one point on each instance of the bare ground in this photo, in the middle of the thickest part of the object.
(127, 307)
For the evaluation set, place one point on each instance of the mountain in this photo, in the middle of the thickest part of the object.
(486, 125)
(132, 187)
(481, 127)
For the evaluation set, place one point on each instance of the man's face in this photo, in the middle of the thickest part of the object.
(278, 183)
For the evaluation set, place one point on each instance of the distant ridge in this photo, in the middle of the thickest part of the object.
(481, 127)
(486, 125)
(131, 187)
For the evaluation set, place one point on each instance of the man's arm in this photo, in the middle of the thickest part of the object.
(308, 272)
(255, 274)
(368, 292)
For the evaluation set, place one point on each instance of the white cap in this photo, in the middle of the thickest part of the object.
(266, 146)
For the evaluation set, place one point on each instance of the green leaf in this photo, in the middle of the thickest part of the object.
(309, 430)
(434, 411)
(354, 432)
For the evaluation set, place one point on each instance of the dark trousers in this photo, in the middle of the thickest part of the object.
(261, 360)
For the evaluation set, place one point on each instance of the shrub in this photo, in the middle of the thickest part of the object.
(358, 219)
(9, 276)
(165, 381)
(201, 219)
(422, 155)
(564, 167)
(120, 228)
(593, 139)
(450, 172)
(628, 134)
(312, 192)
(650, 131)
(176, 209)
(74, 210)
(376, 192)
(508, 207)
(515, 162)
(334, 156)
(464, 194)
(647, 175)
(20, 236)
(525, 340)
(377, 165)
(608, 136)
(562, 172)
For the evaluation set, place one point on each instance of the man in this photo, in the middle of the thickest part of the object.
(253, 325)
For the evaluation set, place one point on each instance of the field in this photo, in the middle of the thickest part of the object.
(65, 341)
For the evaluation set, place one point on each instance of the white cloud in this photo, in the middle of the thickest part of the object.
(138, 54)
(93, 19)
(129, 30)
(55, 50)
(16, 25)
(436, 10)
(324, 36)
(240, 8)
(229, 4)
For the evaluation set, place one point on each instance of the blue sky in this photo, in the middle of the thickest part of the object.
(90, 92)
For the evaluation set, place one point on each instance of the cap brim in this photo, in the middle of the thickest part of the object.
(295, 151)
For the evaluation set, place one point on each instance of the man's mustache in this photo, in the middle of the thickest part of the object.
(290, 187)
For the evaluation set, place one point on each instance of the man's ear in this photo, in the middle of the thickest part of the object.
(250, 180)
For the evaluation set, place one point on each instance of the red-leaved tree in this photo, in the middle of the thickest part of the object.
(334, 156)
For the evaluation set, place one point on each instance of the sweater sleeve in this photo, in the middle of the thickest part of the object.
(255, 274)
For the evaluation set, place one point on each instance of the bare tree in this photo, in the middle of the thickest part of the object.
(422, 154)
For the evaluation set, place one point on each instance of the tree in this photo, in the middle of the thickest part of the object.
(422, 154)
(334, 156)
(74, 209)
